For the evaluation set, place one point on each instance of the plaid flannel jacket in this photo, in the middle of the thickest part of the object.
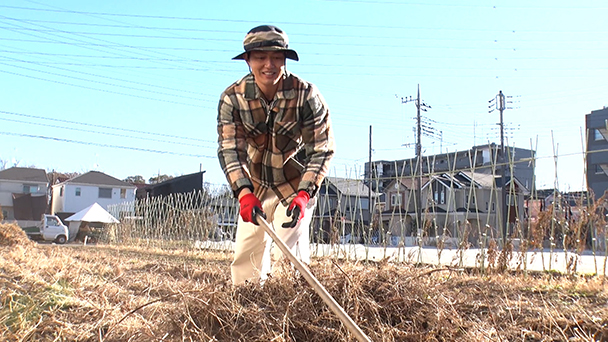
(284, 146)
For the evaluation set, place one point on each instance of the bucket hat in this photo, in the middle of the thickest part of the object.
(267, 38)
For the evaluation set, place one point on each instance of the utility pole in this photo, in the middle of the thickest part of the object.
(420, 106)
(369, 184)
(505, 219)
(501, 106)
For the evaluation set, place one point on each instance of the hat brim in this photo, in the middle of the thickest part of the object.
(289, 53)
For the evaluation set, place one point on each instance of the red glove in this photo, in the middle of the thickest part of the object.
(250, 207)
(296, 209)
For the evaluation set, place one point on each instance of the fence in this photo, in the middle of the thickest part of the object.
(452, 216)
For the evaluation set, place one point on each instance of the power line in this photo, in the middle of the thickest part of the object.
(114, 79)
(176, 18)
(106, 145)
(312, 53)
(192, 18)
(92, 88)
(121, 45)
(86, 34)
(435, 46)
(51, 30)
(400, 38)
(24, 52)
(79, 40)
(115, 66)
(80, 130)
(293, 34)
(105, 127)
(231, 62)
(115, 45)
(407, 3)
(164, 28)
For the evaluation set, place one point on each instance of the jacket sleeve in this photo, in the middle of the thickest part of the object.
(318, 139)
(232, 145)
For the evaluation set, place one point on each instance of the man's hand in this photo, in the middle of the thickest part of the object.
(296, 209)
(250, 207)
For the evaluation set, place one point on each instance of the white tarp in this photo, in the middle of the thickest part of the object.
(94, 213)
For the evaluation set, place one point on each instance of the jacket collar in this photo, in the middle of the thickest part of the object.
(286, 87)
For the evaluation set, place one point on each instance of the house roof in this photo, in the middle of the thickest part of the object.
(409, 182)
(446, 179)
(98, 178)
(489, 181)
(24, 174)
(351, 187)
(519, 185)
(482, 179)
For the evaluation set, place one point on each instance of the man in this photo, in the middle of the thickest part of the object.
(275, 142)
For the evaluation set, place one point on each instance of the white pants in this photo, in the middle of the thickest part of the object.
(252, 259)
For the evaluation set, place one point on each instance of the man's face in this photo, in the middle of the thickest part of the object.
(267, 66)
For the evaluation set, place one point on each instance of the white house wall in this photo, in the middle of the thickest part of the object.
(9, 187)
(487, 158)
(90, 194)
(57, 201)
(6, 193)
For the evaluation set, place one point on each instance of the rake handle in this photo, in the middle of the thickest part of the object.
(314, 282)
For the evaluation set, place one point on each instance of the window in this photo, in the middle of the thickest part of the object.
(493, 207)
(123, 193)
(61, 192)
(105, 192)
(5, 214)
(30, 189)
(439, 195)
(598, 169)
(597, 135)
(395, 200)
(470, 201)
(77, 192)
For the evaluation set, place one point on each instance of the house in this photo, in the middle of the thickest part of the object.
(178, 185)
(225, 211)
(596, 124)
(571, 212)
(458, 205)
(481, 159)
(23, 193)
(343, 208)
(398, 213)
(78, 193)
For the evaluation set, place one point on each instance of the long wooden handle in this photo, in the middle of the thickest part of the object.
(314, 282)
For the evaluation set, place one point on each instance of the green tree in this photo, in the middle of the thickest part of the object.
(159, 179)
(137, 179)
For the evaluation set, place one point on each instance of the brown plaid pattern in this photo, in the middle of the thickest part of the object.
(284, 146)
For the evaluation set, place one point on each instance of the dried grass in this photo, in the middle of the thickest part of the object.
(100, 293)
(11, 235)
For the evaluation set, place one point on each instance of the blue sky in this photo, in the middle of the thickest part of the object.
(131, 87)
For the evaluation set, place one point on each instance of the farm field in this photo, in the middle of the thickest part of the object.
(107, 293)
